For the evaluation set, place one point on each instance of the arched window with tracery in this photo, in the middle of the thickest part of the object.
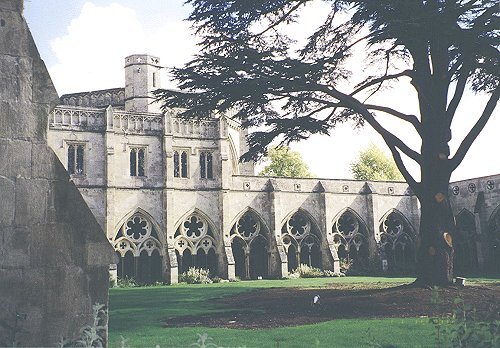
(465, 258)
(301, 242)
(396, 244)
(195, 244)
(350, 240)
(139, 249)
(250, 246)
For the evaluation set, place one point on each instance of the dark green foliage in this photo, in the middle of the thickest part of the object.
(439, 47)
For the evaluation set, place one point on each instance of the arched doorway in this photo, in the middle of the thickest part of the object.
(396, 244)
(465, 258)
(195, 244)
(301, 241)
(139, 249)
(493, 258)
(238, 247)
(250, 245)
(350, 240)
(258, 258)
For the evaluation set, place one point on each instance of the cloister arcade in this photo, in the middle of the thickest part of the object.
(250, 244)
(141, 248)
(301, 239)
(195, 245)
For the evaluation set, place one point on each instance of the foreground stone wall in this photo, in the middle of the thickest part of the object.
(54, 256)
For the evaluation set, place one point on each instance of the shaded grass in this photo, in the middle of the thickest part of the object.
(137, 314)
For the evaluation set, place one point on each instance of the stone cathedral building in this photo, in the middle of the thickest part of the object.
(170, 194)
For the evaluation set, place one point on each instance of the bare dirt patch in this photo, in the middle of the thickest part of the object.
(278, 307)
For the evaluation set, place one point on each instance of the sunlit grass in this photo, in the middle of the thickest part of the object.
(137, 314)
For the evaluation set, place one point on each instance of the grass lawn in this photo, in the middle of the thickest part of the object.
(137, 315)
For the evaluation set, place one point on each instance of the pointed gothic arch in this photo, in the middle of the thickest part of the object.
(195, 242)
(396, 241)
(301, 238)
(250, 243)
(465, 260)
(138, 244)
(493, 256)
(350, 239)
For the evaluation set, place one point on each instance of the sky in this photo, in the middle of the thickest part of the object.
(84, 43)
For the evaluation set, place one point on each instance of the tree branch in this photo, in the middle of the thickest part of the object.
(405, 117)
(474, 132)
(281, 19)
(361, 109)
(402, 168)
(457, 96)
(386, 77)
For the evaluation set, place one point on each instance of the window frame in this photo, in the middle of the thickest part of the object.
(179, 171)
(206, 162)
(73, 170)
(137, 148)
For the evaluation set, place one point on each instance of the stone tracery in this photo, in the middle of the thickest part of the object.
(250, 246)
(301, 244)
(396, 243)
(350, 239)
(139, 248)
(194, 244)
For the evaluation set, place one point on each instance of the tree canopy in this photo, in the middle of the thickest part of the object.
(286, 163)
(249, 66)
(374, 164)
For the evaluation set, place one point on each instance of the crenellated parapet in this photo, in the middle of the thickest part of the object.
(203, 128)
(96, 99)
(75, 118)
(136, 123)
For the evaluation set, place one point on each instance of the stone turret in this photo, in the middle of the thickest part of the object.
(54, 257)
(142, 76)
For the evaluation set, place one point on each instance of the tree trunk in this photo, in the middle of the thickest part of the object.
(437, 223)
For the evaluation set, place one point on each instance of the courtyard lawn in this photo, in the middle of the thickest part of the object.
(137, 315)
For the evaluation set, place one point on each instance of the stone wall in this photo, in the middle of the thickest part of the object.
(54, 257)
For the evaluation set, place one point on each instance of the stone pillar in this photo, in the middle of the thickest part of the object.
(329, 257)
(279, 259)
(54, 256)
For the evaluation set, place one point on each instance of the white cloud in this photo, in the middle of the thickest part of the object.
(91, 54)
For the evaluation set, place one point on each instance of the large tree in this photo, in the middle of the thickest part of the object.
(440, 47)
(286, 163)
(374, 164)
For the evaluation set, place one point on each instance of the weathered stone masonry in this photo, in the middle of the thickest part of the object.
(53, 257)
(171, 193)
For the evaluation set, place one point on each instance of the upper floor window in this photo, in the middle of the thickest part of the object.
(206, 165)
(137, 161)
(76, 159)
(180, 164)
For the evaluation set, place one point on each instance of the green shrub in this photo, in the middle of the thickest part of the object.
(91, 335)
(328, 273)
(345, 265)
(126, 283)
(305, 271)
(195, 276)
(464, 328)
